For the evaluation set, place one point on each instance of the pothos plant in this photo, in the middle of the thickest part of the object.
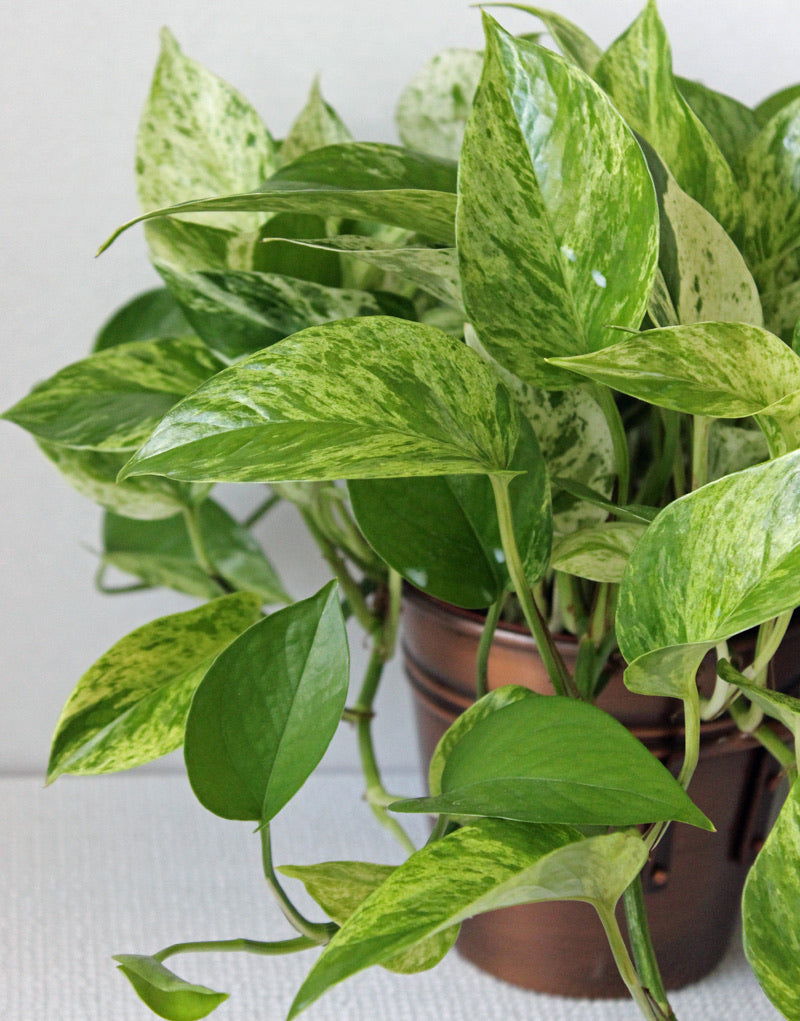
(555, 366)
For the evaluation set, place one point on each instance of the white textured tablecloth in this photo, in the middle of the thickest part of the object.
(131, 863)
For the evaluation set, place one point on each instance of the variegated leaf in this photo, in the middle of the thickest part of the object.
(130, 707)
(110, 401)
(774, 103)
(149, 315)
(433, 108)
(636, 71)
(316, 125)
(731, 124)
(770, 908)
(237, 313)
(339, 887)
(776, 704)
(541, 273)
(600, 553)
(732, 448)
(360, 398)
(482, 866)
(570, 39)
(782, 307)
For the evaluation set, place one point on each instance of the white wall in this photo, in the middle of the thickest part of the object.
(73, 77)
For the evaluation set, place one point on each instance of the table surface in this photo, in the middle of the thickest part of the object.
(128, 864)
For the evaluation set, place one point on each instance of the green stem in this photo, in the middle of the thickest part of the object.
(116, 590)
(318, 932)
(642, 945)
(700, 433)
(263, 508)
(770, 636)
(554, 664)
(605, 398)
(234, 946)
(691, 725)
(197, 541)
(649, 1008)
(485, 646)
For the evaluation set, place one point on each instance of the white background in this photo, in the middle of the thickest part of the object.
(74, 75)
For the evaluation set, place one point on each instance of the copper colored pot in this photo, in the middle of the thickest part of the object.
(694, 881)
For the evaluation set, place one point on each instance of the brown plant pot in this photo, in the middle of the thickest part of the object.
(694, 880)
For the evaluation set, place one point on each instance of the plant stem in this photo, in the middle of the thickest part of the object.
(700, 433)
(318, 932)
(485, 646)
(230, 946)
(197, 541)
(770, 636)
(691, 727)
(263, 508)
(644, 1001)
(554, 664)
(605, 398)
(642, 944)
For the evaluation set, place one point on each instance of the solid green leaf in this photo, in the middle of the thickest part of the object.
(770, 908)
(361, 398)
(731, 124)
(130, 706)
(636, 71)
(149, 315)
(599, 553)
(111, 401)
(239, 312)
(486, 865)
(433, 108)
(164, 992)
(339, 887)
(316, 125)
(549, 759)
(289, 257)
(541, 270)
(267, 709)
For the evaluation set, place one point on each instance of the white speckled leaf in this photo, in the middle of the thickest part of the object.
(361, 398)
(485, 865)
(599, 553)
(316, 125)
(731, 124)
(636, 71)
(433, 108)
(571, 40)
(770, 910)
(545, 152)
(130, 707)
(112, 400)
(732, 448)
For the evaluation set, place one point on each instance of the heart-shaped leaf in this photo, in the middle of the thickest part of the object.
(550, 759)
(149, 315)
(599, 553)
(316, 125)
(544, 150)
(130, 706)
(267, 709)
(164, 992)
(361, 398)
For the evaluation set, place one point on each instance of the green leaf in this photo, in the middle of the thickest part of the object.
(486, 865)
(571, 40)
(316, 125)
(773, 104)
(638, 513)
(442, 534)
(433, 108)
(777, 704)
(362, 180)
(267, 709)
(770, 905)
(549, 759)
(161, 554)
(111, 401)
(636, 71)
(339, 887)
(164, 992)
(285, 255)
(599, 553)
(130, 706)
(731, 124)
(544, 151)
(360, 398)
(724, 370)
(714, 563)
(148, 316)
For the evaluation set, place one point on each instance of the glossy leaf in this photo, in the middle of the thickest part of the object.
(599, 553)
(731, 124)
(237, 313)
(442, 535)
(549, 759)
(570, 39)
(733, 562)
(130, 706)
(636, 71)
(770, 905)
(164, 992)
(360, 398)
(482, 866)
(266, 710)
(774, 103)
(111, 401)
(149, 315)
(544, 151)
(339, 887)
(433, 108)
(316, 125)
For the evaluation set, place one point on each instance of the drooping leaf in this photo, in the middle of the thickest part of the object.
(486, 865)
(149, 315)
(636, 71)
(433, 108)
(110, 402)
(540, 271)
(276, 254)
(267, 709)
(164, 992)
(360, 398)
(316, 125)
(776, 704)
(130, 706)
(240, 312)
(770, 905)
(549, 759)
(638, 513)
(441, 533)
(599, 553)
(731, 124)
(570, 39)
(774, 103)
(339, 887)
